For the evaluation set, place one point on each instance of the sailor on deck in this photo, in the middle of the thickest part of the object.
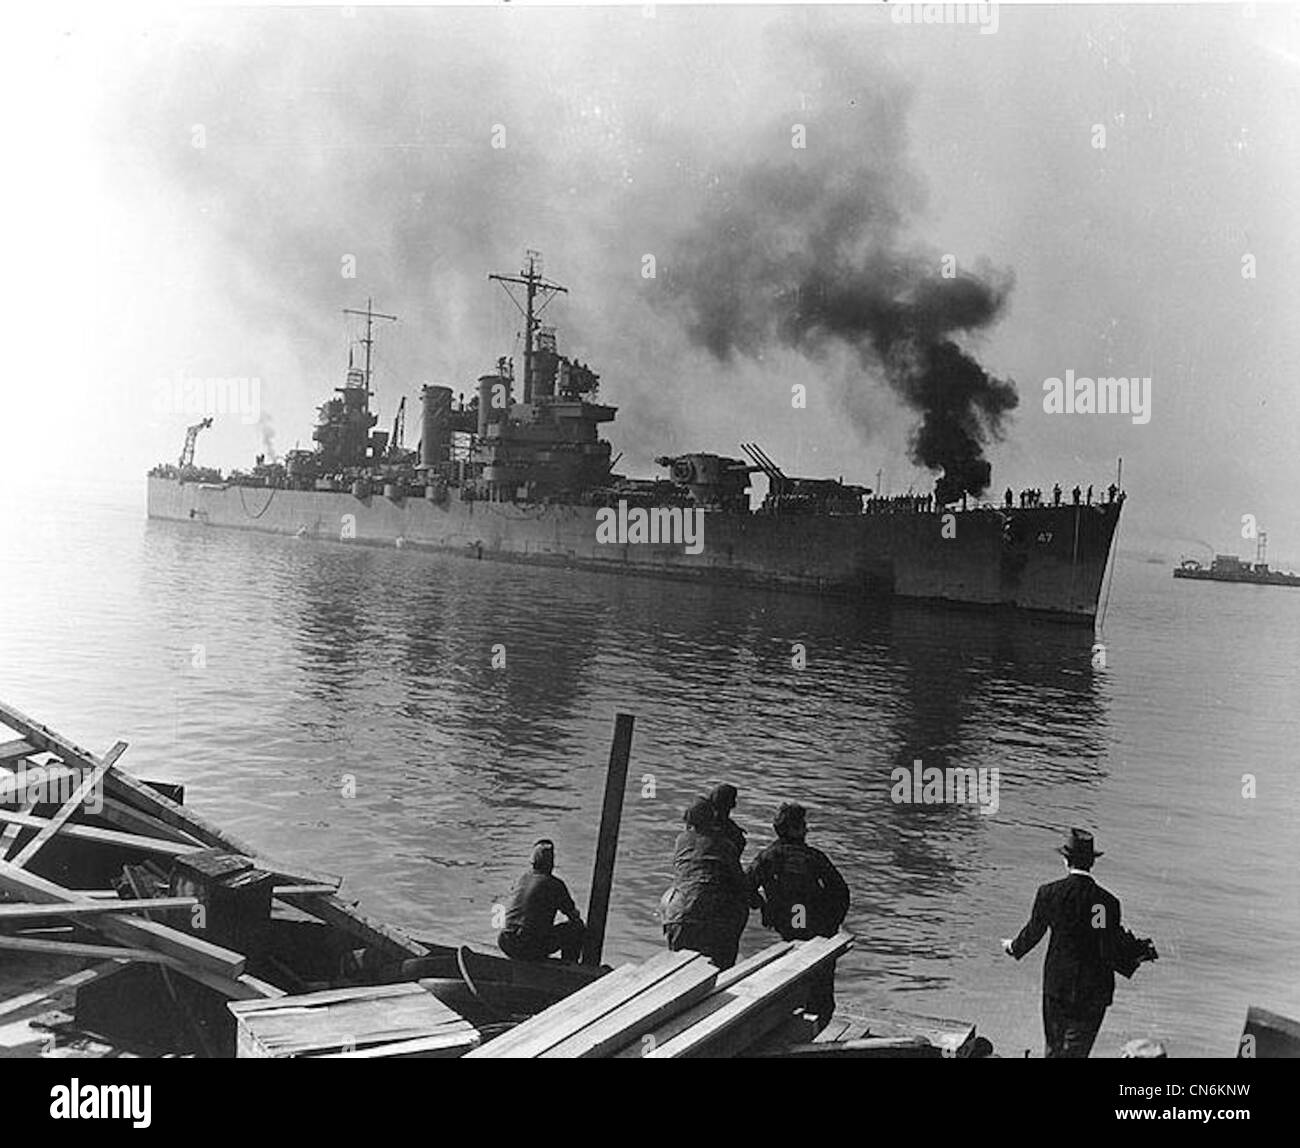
(530, 932)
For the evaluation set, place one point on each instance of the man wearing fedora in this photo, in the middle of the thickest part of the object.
(1087, 942)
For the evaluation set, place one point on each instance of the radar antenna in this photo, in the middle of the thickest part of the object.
(535, 287)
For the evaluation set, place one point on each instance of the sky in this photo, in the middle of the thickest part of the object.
(191, 187)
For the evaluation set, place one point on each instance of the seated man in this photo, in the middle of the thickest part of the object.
(530, 932)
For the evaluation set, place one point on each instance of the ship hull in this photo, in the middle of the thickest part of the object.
(1048, 560)
(1273, 578)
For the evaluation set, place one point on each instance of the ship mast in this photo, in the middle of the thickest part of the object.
(370, 316)
(535, 287)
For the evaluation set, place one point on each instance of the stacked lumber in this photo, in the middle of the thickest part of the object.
(375, 1021)
(607, 1014)
(47, 783)
(676, 1005)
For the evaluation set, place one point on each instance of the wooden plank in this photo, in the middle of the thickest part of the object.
(127, 930)
(758, 1003)
(103, 836)
(66, 810)
(117, 812)
(18, 748)
(863, 1048)
(136, 793)
(11, 831)
(751, 965)
(333, 910)
(611, 816)
(299, 890)
(583, 1007)
(57, 988)
(718, 999)
(317, 1023)
(323, 997)
(119, 783)
(447, 1045)
(78, 949)
(640, 1015)
(93, 908)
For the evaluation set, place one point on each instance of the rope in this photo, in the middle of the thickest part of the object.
(1110, 578)
(269, 500)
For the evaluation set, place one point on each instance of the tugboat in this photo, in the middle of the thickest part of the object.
(1230, 568)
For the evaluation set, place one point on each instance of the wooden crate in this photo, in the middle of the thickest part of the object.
(346, 1021)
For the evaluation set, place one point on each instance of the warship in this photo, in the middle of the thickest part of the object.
(519, 472)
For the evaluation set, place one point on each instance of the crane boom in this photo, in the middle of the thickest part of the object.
(191, 435)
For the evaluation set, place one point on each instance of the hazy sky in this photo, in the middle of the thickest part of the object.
(142, 256)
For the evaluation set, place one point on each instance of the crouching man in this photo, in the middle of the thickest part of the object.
(530, 932)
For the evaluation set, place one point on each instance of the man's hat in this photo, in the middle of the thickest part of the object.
(1079, 846)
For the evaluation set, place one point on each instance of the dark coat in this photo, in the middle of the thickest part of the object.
(791, 873)
(709, 886)
(1087, 940)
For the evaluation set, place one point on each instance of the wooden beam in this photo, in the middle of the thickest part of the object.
(126, 930)
(13, 750)
(119, 783)
(11, 831)
(77, 949)
(611, 817)
(56, 988)
(66, 810)
(586, 1005)
(756, 1004)
(94, 908)
(103, 836)
(640, 1015)
(117, 812)
(576, 1013)
(333, 910)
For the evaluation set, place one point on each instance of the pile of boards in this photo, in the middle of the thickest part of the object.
(676, 1005)
(52, 790)
(378, 1021)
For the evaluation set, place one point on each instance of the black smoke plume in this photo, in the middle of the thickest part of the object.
(786, 254)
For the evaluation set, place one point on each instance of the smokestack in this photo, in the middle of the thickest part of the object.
(435, 425)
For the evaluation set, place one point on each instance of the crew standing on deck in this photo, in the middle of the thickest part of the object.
(530, 932)
(707, 906)
(804, 895)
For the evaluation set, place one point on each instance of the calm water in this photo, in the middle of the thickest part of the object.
(262, 672)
